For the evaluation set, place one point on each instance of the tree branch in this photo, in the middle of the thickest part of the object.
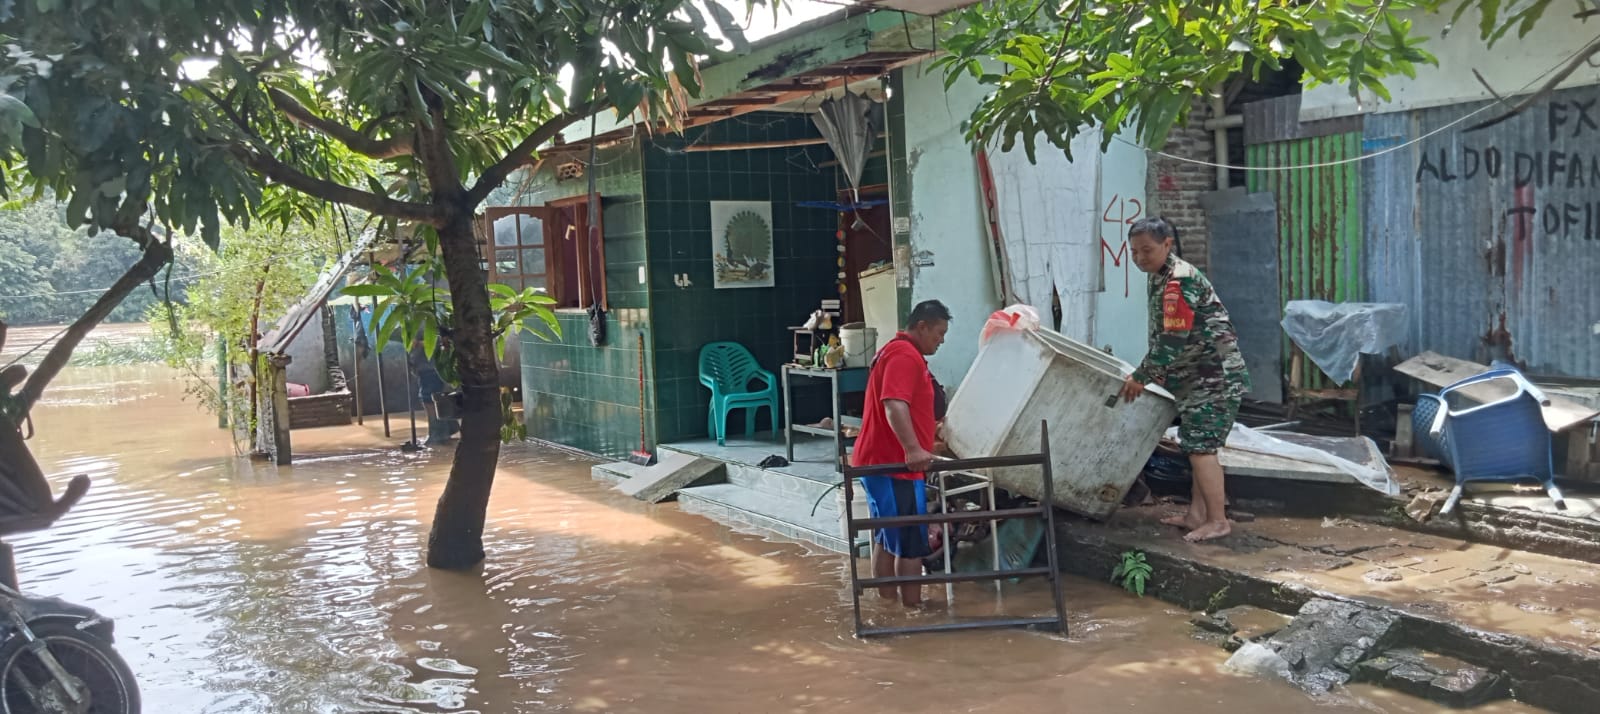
(357, 141)
(291, 177)
(1578, 60)
(1489, 89)
(1061, 50)
(156, 255)
(495, 175)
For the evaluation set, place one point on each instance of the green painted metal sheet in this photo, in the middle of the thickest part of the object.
(1319, 220)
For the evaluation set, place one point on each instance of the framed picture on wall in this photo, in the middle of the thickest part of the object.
(741, 244)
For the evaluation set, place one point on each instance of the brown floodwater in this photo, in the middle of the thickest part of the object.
(242, 587)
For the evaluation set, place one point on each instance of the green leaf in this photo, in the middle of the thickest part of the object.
(1488, 15)
(77, 208)
(430, 337)
(1121, 64)
(17, 110)
(1099, 94)
(478, 17)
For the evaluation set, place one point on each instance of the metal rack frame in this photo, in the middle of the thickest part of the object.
(1042, 510)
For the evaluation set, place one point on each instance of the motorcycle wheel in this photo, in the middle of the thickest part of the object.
(111, 686)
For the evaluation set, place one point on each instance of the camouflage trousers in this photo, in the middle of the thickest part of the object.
(1207, 408)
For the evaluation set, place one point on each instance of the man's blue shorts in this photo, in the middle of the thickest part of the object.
(889, 496)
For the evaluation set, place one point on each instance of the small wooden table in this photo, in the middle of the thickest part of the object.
(841, 381)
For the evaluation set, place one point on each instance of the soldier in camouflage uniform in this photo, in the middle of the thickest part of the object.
(1194, 354)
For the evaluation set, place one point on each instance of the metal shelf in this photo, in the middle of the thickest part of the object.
(1044, 511)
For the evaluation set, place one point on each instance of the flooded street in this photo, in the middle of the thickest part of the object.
(241, 587)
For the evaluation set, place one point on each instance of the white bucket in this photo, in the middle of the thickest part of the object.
(860, 343)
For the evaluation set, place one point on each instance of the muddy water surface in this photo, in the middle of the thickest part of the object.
(241, 587)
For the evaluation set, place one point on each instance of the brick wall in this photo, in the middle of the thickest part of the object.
(1175, 186)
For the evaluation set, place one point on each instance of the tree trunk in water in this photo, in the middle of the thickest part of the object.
(456, 541)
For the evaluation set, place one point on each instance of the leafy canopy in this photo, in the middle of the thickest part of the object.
(1059, 69)
(110, 102)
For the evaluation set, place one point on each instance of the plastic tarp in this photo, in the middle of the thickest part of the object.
(850, 123)
(1244, 438)
(1335, 336)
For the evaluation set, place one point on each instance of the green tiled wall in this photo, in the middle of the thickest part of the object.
(679, 186)
(573, 393)
(588, 397)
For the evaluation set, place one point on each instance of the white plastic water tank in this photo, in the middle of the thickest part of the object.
(1099, 444)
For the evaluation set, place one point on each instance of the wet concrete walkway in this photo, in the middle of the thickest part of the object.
(1475, 591)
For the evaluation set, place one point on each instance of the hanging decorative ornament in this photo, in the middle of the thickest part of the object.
(840, 236)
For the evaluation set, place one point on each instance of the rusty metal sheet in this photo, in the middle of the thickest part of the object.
(1391, 247)
(1319, 220)
(1492, 236)
(1278, 119)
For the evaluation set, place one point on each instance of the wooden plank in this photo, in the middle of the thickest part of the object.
(1440, 371)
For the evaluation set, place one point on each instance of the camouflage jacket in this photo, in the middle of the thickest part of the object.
(1190, 332)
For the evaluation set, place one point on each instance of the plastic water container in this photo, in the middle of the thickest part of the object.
(860, 344)
(1099, 443)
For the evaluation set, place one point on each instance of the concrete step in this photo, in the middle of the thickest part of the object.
(745, 508)
(780, 482)
(616, 472)
(672, 472)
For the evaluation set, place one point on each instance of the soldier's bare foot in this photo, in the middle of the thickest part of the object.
(1209, 531)
(1187, 521)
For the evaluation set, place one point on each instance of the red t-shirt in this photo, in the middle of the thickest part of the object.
(901, 372)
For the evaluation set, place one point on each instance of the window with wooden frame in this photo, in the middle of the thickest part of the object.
(548, 248)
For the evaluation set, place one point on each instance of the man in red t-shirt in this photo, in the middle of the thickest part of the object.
(897, 426)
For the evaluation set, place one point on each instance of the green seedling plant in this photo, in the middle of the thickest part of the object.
(1217, 599)
(1133, 572)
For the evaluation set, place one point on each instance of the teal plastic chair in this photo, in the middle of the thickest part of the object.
(728, 369)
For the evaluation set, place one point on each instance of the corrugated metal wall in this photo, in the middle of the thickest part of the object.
(1391, 249)
(1491, 237)
(1319, 218)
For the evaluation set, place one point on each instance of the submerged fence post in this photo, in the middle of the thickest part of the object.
(282, 450)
